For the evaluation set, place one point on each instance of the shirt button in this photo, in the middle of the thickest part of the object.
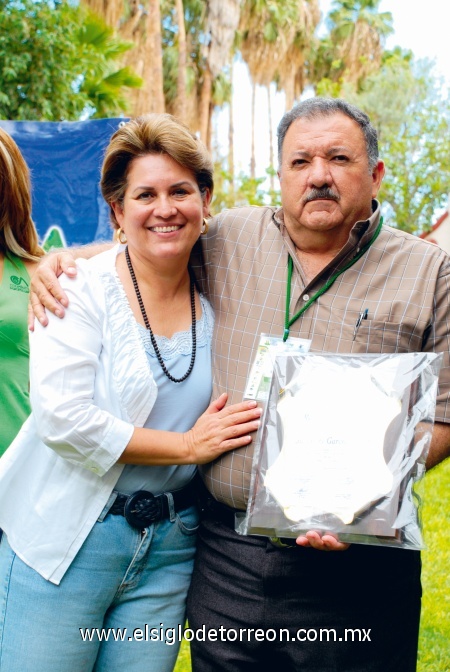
(305, 297)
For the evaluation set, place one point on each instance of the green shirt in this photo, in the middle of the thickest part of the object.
(14, 349)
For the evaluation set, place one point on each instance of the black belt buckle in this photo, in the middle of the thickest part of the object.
(142, 509)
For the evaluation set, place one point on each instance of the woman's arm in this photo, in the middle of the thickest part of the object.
(64, 364)
(220, 429)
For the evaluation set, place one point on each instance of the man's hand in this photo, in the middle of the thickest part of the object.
(45, 290)
(327, 542)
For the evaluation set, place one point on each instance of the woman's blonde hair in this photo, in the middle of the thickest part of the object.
(152, 134)
(17, 231)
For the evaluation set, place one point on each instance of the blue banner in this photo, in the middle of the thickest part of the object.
(65, 160)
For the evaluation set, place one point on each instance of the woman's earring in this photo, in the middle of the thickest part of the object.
(121, 237)
(205, 227)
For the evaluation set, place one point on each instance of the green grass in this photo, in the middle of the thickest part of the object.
(434, 643)
(184, 659)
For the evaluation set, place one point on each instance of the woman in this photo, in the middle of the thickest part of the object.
(19, 254)
(87, 544)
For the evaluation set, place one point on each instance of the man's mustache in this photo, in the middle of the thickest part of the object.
(321, 194)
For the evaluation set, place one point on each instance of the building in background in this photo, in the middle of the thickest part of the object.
(440, 233)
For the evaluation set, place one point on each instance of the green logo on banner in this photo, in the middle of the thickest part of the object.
(54, 239)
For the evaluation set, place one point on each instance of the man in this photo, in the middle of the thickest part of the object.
(358, 609)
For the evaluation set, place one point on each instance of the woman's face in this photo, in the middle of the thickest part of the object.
(163, 209)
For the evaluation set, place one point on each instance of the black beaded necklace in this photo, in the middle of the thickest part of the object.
(147, 323)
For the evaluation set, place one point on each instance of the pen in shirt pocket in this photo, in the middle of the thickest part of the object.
(362, 316)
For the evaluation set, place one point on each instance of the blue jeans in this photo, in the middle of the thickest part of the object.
(121, 578)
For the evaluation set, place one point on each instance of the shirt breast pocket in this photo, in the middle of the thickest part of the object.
(373, 336)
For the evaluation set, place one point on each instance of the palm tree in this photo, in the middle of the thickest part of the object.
(222, 20)
(111, 11)
(231, 138)
(182, 38)
(358, 32)
(292, 72)
(273, 38)
(146, 58)
(263, 36)
(103, 83)
(262, 41)
(180, 58)
(271, 156)
(181, 102)
(140, 23)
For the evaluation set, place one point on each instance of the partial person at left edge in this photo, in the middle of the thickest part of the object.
(19, 254)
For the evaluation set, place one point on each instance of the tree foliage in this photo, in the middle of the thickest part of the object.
(101, 82)
(353, 48)
(38, 61)
(58, 62)
(411, 110)
(247, 190)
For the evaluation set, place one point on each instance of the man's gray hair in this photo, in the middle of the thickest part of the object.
(313, 108)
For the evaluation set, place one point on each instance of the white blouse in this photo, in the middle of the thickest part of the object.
(91, 384)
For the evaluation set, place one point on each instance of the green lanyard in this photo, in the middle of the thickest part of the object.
(289, 322)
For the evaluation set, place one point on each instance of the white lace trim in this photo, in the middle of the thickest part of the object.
(139, 397)
(181, 342)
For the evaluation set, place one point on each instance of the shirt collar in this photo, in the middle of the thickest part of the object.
(360, 234)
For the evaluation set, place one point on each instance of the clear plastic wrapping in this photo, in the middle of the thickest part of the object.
(343, 441)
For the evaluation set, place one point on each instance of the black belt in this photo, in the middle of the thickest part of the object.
(224, 514)
(142, 508)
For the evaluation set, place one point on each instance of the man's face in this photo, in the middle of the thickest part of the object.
(326, 184)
